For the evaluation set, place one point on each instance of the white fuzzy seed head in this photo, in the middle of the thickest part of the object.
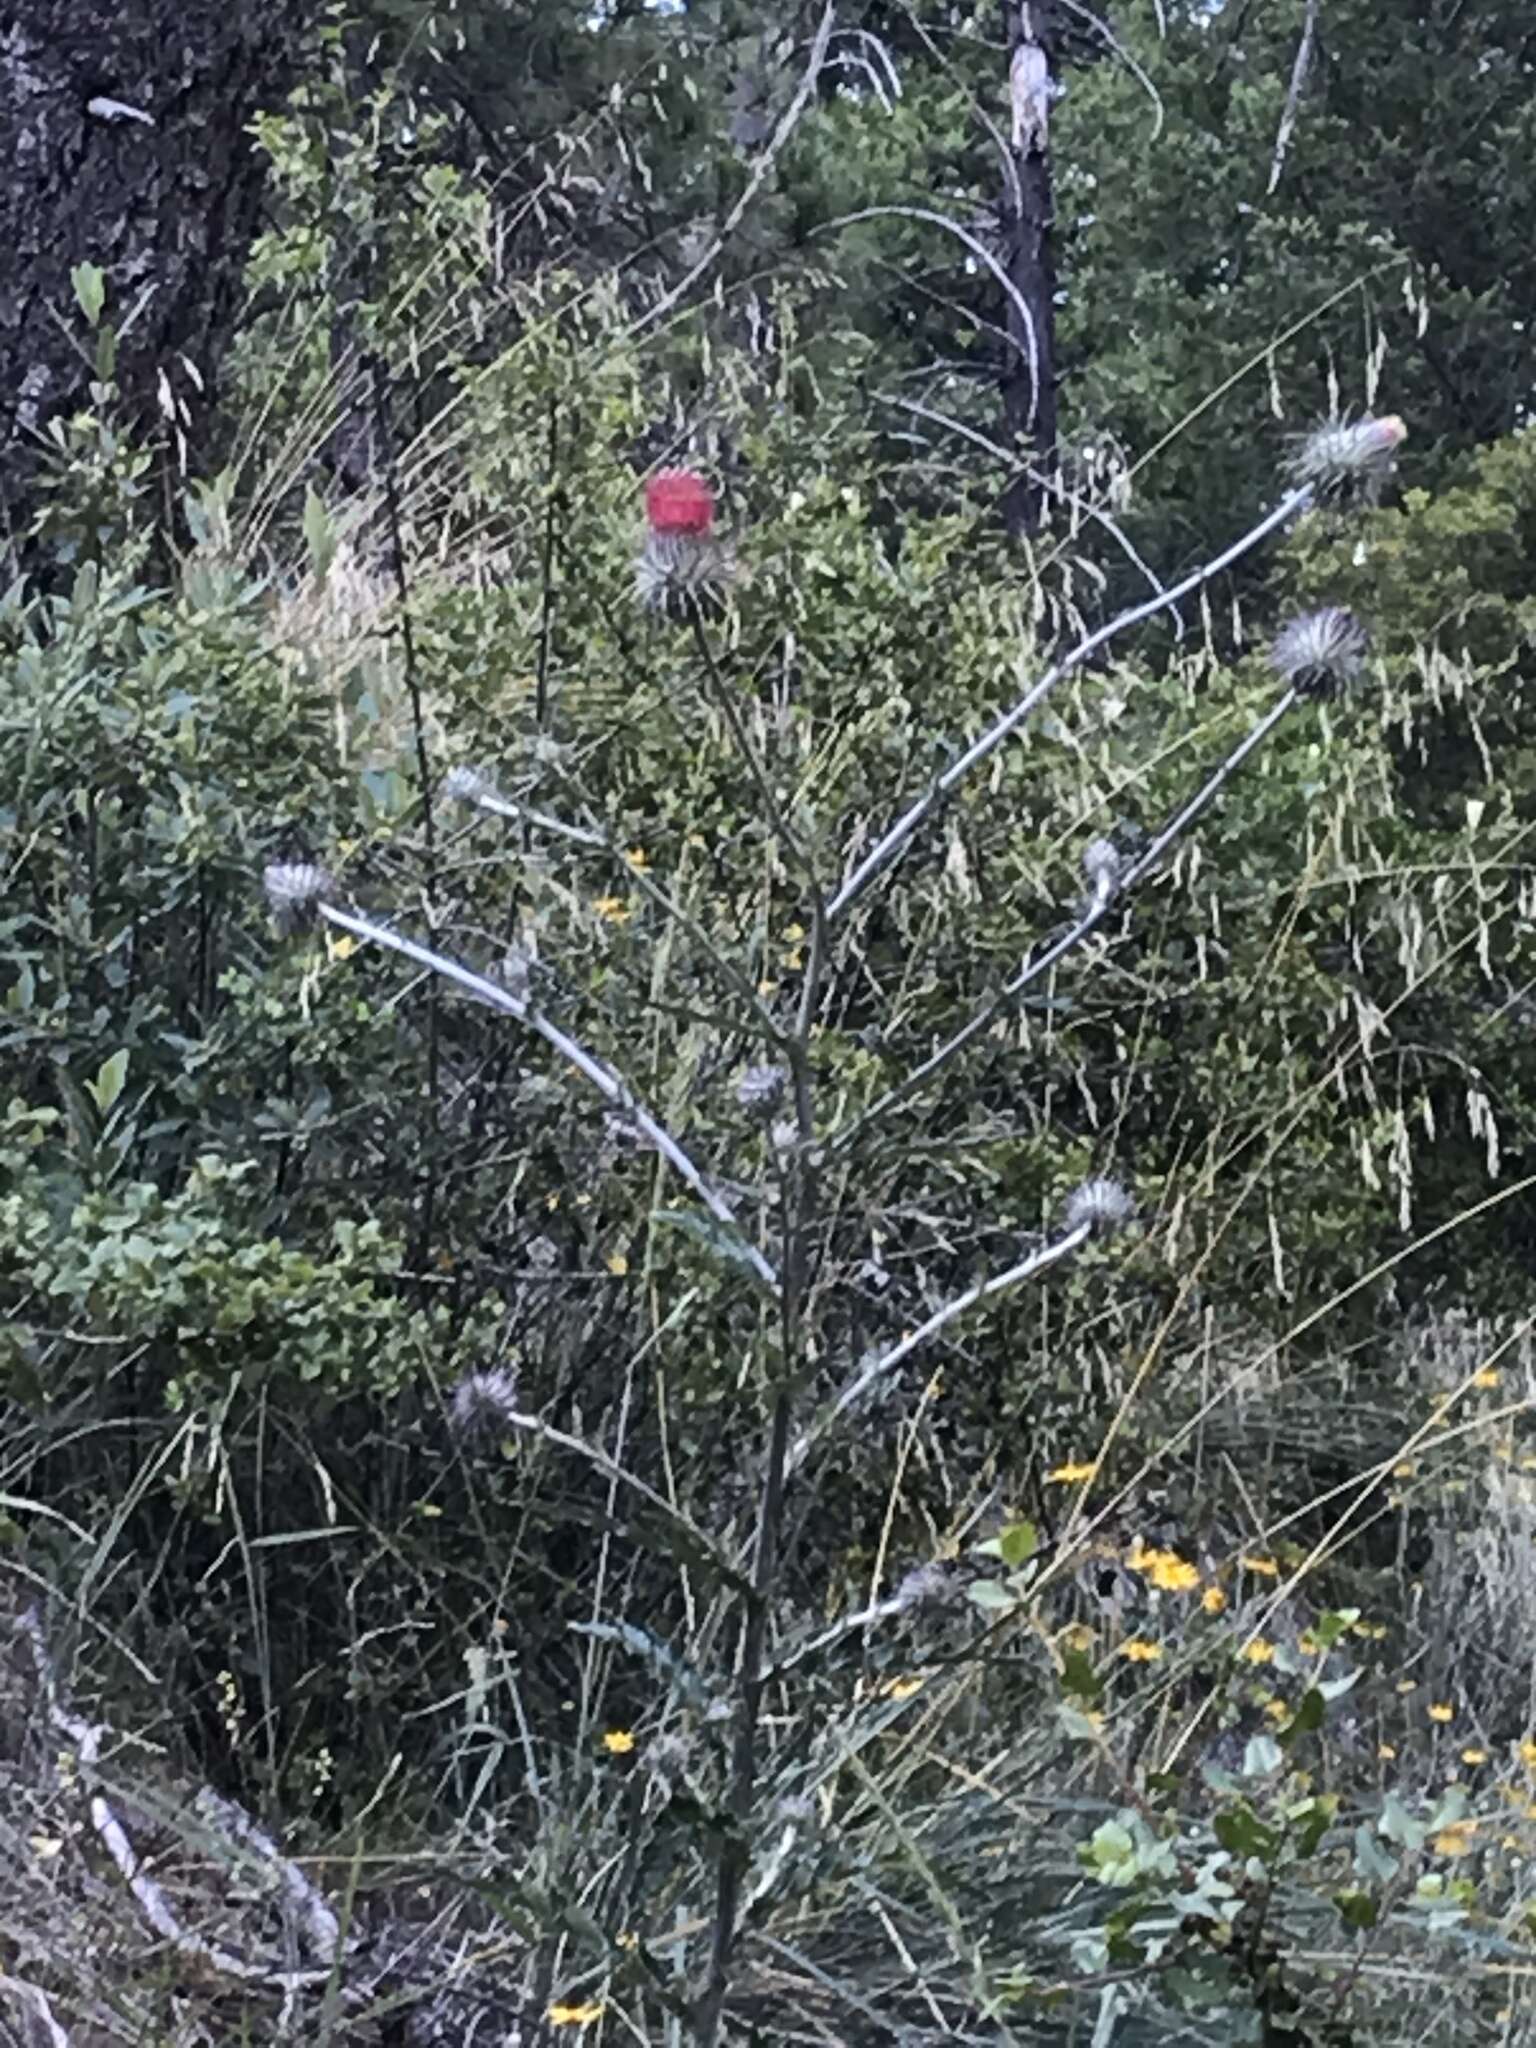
(1348, 462)
(295, 889)
(1102, 864)
(483, 1403)
(760, 1090)
(923, 1585)
(1101, 1204)
(466, 784)
(1321, 652)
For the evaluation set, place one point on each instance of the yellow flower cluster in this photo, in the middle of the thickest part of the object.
(1164, 1569)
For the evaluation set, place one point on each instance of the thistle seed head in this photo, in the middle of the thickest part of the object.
(667, 1758)
(924, 1585)
(760, 1090)
(679, 572)
(483, 1402)
(466, 784)
(1102, 863)
(1320, 652)
(295, 890)
(1348, 462)
(1101, 1204)
(515, 973)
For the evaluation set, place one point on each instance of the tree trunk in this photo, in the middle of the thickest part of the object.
(165, 205)
(1029, 374)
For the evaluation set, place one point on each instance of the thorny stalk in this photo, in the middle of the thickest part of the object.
(608, 1084)
(890, 847)
(798, 1192)
(886, 1362)
(1103, 901)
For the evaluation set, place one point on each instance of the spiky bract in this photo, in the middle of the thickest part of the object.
(1348, 462)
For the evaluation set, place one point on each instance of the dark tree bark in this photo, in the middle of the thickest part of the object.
(165, 206)
(1029, 374)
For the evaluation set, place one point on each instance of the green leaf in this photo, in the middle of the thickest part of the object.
(1372, 1861)
(1308, 1715)
(319, 533)
(1240, 1831)
(709, 1231)
(1398, 1825)
(1078, 1676)
(108, 1084)
(993, 1597)
(1357, 1909)
(1262, 1756)
(90, 285)
(1017, 1544)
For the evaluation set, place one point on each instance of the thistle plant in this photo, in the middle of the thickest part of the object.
(770, 1217)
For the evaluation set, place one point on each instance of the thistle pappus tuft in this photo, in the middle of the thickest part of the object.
(483, 1402)
(1103, 1205)
(295, 889)
(1319, 653)
(1102, 862)
(760, 1090)
(467, 783)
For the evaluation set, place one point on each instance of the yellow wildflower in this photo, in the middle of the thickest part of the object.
(1406, 1685)
(1386, 1752)
(1488, 1377)
(1277, 1710)
(1528, 1754)
(1071, 1473)
(1308, 1644)
(1165, 1568)
(1455, 1840)
(340, 947)
(1078, 1636)
(903, 1688)
(1139, 1651)
(637, 859)
(618, 1742)
(1265, 1567)
(628, 1940)
(1404, 1469)
(1441, 1710)
(1259, 1651)
(1213, 1599)
(1474, 1756)
(574, 2015)
(613, 909)
(617, 1264)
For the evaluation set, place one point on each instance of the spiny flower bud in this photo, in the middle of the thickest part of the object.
(1103, 1205)
(295, 889)
(760, 1091)
(1347, 462)
(1319, 652)
(483, 1402)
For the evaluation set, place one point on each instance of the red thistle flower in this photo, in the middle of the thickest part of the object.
(679, 501)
